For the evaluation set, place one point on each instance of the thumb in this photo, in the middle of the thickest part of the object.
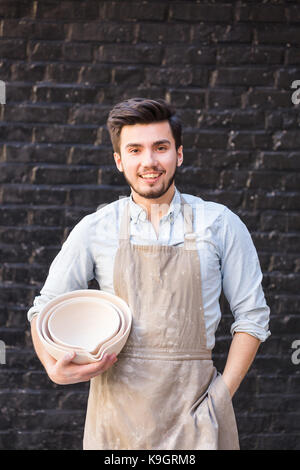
(67, 358)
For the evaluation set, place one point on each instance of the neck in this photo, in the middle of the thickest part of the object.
(156, 208)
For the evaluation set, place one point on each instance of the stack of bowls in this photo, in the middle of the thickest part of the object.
(88, 321)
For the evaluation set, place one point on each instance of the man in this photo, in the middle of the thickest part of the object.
(168, 256)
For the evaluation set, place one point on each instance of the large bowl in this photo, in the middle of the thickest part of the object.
(114, 345)
(86, 324)
(95, 354)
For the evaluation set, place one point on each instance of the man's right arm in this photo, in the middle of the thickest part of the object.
(71, 269)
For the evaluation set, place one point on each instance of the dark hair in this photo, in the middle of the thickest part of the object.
(141, 111)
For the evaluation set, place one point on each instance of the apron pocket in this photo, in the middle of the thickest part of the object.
(214, 417)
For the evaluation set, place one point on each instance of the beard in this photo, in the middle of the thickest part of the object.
(153, 193)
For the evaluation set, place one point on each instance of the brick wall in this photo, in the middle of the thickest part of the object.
(228, 67)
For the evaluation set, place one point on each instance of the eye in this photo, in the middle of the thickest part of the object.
(133, 150)
(161, 148)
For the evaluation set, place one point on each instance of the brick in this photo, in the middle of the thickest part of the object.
(188, 55)
(101, 32)
(293, 14)
(78, 52)
(65, 134)
(225, 98)
(237, 119)
(15, 132)
(14, 173)
(13, 215)
(292, 56)
(66, 10)
(33, 194)
(59, 174)
(229, 55)
(46, 153)
(34, 113)
(132, 11)
(262, 13)
(283, 222)
(204, 178)
(140, 53)
(5, 70)
(284, 77)
(239, 76)
(45, 51)
(62, 73)
(281, 119)
(89, 115)
(286, 140)
(164, 33)
(189, 97)
(91, 155)
(280, 160)
(13, 49)
(21, 92)
(125, 76)
(274, 200)
(276, 34)
(249, 140)
(175, 76)
(230, 33)
(72, 93)
(98, 74)
(31, 234)
(191, 12)
(23, 72)
(15, 9)
(269, 98)
(29, 29)
(92, 196)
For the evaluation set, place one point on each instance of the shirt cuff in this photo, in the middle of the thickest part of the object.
(251, 328)
(32, 312)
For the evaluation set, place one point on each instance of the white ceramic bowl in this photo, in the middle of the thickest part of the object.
(47, 336)
(114, 345)
(85, 324)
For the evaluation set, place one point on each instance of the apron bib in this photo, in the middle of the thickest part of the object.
(164, 392)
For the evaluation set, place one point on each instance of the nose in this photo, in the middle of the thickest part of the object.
(148, 158)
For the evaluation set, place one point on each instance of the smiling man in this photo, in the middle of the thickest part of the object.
(168, 255)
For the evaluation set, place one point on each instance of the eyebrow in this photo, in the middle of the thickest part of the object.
(158, 142)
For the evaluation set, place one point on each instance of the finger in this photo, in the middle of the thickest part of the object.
(92, 370)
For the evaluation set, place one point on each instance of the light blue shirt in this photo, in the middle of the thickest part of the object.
(226, 252)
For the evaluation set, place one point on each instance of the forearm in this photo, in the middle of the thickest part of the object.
(241, 354)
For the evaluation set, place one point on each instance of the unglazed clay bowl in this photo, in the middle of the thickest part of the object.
(95, 354)
(84, 323)
(114, 345)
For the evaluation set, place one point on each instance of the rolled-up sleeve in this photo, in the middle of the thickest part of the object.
(242, 279)
(71, 269)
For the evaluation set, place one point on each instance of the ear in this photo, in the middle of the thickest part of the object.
(180, 155)
(118, 161)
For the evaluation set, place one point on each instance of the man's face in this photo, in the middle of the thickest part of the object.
(148, 159)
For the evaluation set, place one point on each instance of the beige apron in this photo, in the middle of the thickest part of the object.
(164, 392)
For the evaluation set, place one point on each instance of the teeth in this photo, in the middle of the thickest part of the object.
(152, 175)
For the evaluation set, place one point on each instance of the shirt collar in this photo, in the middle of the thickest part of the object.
(138, 213)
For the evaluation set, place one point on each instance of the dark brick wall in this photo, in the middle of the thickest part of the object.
(228, 67)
